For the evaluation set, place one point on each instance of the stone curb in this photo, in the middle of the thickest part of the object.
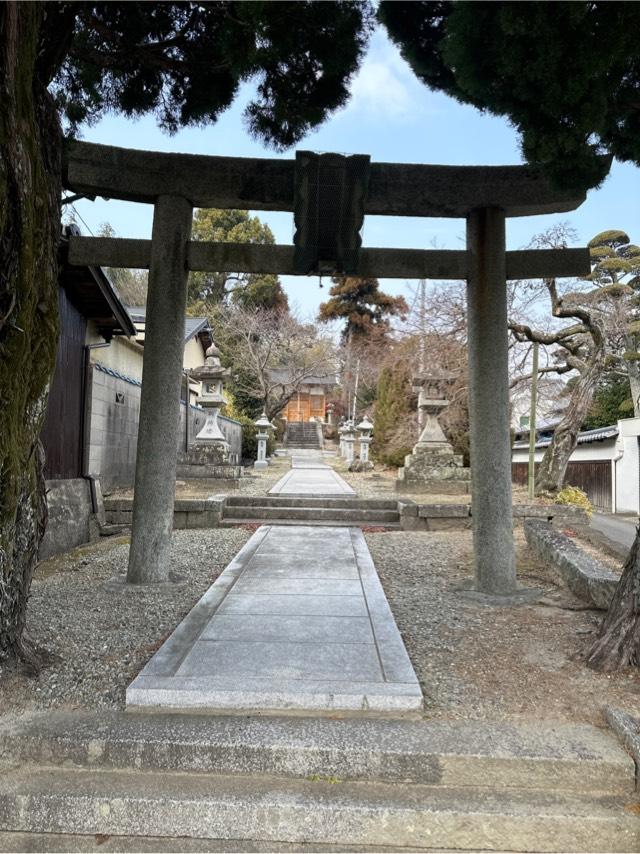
(627, 728)
(586, 577)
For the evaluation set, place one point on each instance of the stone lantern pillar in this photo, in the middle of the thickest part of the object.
(349, 442)
(263, 425)
(364, 428)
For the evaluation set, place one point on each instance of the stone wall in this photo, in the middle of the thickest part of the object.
(458, 517)
(112, 430)
(187, 512)
(70, 516)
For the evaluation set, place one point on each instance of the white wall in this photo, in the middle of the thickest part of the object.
(123, 354)
(624, 454)
(627, 468)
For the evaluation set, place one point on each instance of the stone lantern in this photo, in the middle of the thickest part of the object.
(209, 455)
(431, 403)
(263, 424)
(365, 428)
(211, 376)
(432, 466)
(349, 438)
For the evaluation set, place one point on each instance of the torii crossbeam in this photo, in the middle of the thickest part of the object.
(176, 183)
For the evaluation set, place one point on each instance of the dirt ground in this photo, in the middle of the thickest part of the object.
(478, 661)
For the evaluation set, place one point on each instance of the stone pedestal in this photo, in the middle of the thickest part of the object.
(435, 471)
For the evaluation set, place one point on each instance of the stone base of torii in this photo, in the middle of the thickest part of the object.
(176, 183)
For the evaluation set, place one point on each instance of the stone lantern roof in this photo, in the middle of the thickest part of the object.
(212, 369)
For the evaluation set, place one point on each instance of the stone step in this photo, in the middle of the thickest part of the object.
(321, 811)
(499, 755)
(292, 446)
(232, 522)
(318, 514)
(290, 501)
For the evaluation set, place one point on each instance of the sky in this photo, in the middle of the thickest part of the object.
(394, 118)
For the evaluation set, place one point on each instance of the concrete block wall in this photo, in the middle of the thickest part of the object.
(112, 428)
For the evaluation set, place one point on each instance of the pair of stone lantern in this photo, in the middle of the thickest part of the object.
(264, 425)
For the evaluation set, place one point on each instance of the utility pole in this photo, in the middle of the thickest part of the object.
(532, 422)
(422, 309)
(355, 390)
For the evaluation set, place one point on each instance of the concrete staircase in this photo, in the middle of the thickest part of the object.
(466, 785)
(335, 512)
(302, 434)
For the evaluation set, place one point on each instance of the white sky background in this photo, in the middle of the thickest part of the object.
(394, 118)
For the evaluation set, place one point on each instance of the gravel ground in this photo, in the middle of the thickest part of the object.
(381, 483)
(101, 639)
(474, 661)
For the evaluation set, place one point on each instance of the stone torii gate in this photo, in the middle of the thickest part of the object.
(176, 183)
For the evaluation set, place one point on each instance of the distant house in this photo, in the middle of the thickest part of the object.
(197, 337)
(309, 401)
(605, 464)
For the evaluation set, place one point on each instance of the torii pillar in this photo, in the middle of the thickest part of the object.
(490, 440)
(156, 457)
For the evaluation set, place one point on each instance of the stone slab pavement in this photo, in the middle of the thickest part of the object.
(310, 475)
(298, 620)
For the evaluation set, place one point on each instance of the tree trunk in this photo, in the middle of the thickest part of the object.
(618, 642)
(29, 232)
(553, 467)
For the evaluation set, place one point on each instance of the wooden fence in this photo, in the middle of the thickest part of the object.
(592, 476)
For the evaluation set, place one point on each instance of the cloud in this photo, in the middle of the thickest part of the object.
(386, 87)
(379, 89)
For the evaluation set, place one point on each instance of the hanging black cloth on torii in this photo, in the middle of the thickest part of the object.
(330, 190)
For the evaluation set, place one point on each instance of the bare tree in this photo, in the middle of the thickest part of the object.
(579, 347)
(271, 354)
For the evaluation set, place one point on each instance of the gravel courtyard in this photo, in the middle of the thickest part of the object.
(471, 661)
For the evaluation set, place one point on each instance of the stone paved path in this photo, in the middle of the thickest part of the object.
(298, 620)
(311, 476)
